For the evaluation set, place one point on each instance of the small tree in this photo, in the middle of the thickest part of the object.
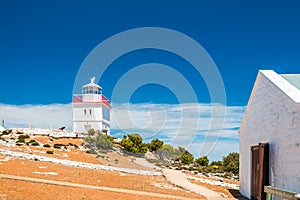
(155, 144)
(134, 143)
(186, 157)
(103, 142)
(231, 163)
(202, 161)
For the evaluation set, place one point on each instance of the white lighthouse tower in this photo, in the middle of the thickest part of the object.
(91, 109)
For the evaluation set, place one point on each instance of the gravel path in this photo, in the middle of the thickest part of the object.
(143, 162)
(179, 179)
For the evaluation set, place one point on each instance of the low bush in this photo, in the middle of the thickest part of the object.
(25, 136)
(35, 144)
(47, 145)
(58, 146)
(49, 152)
(99, 156)
(6, 132)
(31, 141)
(21, 140)
(92, 151)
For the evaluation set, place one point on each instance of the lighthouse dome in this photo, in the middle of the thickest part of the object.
(92, 88)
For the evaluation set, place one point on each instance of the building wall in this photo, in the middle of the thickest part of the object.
(89, 115)
(271, 116)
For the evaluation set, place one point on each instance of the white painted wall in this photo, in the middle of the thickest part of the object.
(92, 97)
(83, 121)
(272, 115)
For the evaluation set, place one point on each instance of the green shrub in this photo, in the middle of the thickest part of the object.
(91, 131)
(103, 142)
(203, 161)
(134, 143)
(21, 140)
(186, 157)
(231, 163)
(23, 137)
(6, 132)
(35, 144)
(47, 145)
(92, 151)
(216, 163)
(89, 139)
(155, 144)
(58, 146)
(31, 141)
(99, 156)
(49, 152)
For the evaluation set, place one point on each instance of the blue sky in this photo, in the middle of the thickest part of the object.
(44, 43)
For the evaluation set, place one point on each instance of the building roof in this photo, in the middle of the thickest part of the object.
(288, 83)
(294, 79)
(92, 83)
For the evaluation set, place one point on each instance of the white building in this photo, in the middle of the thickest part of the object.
(91, 109)
(272, 118)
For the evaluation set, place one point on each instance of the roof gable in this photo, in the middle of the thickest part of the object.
(284, 83)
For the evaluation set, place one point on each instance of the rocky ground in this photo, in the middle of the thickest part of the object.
(117, 176)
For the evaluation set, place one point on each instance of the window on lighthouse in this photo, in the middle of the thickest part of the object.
(85, 111)
(90, 111)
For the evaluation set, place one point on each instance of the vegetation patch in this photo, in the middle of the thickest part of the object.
(92, 151)
(58, 146)
(35, 144)
(21, 138)
(49, 152)
(47, 145)
(98, 140)
(100, 156)
(31, 141)
(134, 143)
(6, 132)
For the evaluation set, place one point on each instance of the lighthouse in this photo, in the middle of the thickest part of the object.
(91, 109)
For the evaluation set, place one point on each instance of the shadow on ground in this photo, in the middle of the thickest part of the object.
(236, 194)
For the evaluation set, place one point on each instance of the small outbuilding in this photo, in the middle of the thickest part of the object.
(270, 135)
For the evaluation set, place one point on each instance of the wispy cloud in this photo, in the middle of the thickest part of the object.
(39, 116)
(204, 129)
